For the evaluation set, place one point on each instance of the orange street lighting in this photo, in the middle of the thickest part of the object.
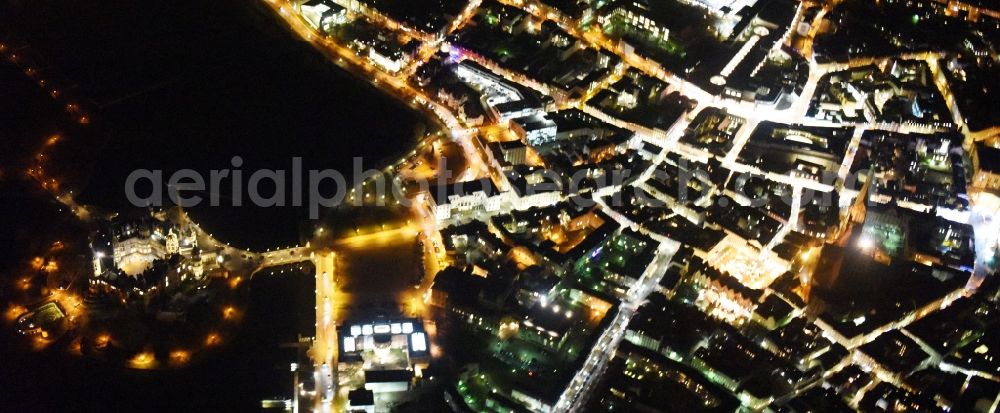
(143, 360)
(179, 357)
(102, 340)
(14, 311)
(213, 339)
(228, 313)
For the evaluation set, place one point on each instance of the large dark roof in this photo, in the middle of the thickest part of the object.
(361, 397)
(387, 376)
(441, 193)
(462, 287)
(989, 158)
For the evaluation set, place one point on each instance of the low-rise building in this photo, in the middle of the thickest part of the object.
(323, 14)
(388, 56)
(506, 100)
(985, 181)
(534, 187)
(505, 155)
(465, 199)
(535, 130)
(361, 400)
(390, 351)
(636, 16)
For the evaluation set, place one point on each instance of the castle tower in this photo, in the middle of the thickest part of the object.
(173, 244)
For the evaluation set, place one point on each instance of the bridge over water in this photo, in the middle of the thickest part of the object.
(324, 344)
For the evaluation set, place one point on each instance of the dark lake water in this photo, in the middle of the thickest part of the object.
(190, 84)
(172, 85)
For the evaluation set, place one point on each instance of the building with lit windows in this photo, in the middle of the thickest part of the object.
(388, 56)
(132, 245)
(723, 297)
(505, 100)
(504, 155)
(464, 199)
(924, 173)
(389, 351)
(985, 188)
(534, 130)
(635, 16)
(138, 256)
(533, 187)
(323, 14)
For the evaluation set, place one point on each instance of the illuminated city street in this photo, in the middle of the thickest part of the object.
(601, 206)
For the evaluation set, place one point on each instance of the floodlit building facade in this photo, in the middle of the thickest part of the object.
(323, 14)
(464, 199)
